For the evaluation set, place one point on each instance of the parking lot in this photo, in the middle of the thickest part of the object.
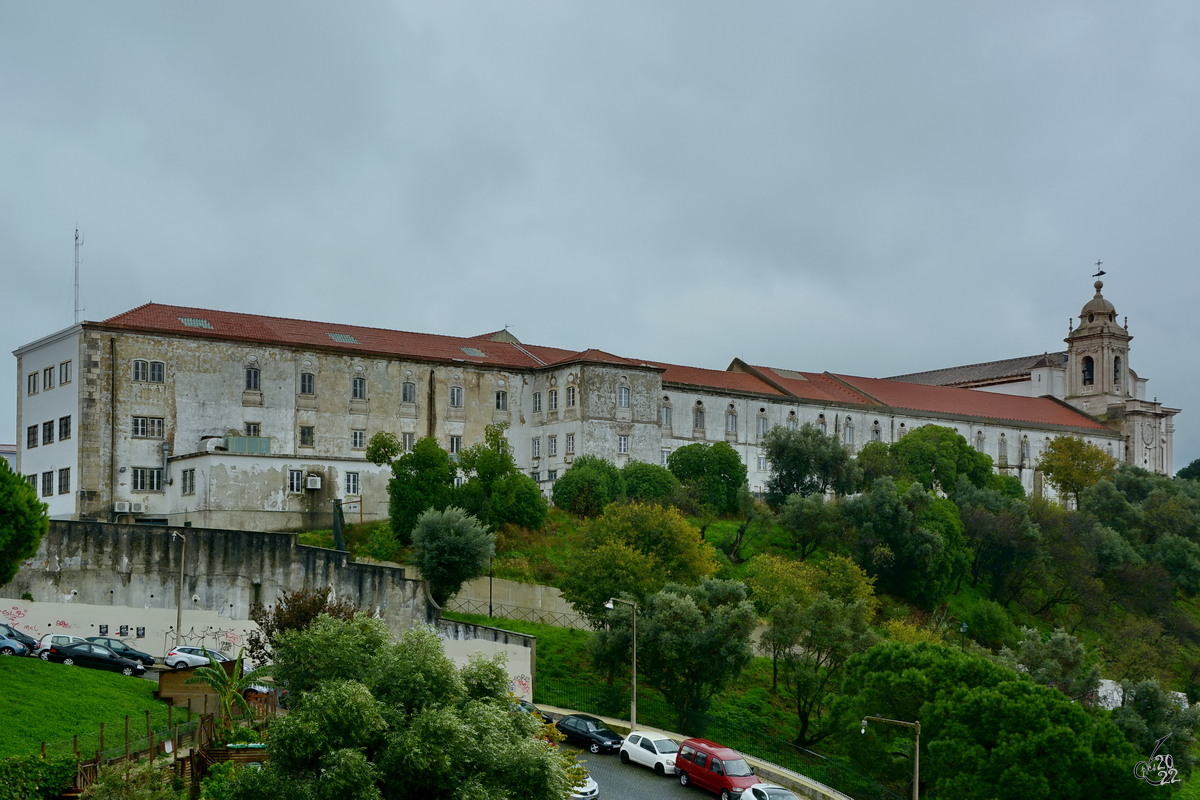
(619, 781)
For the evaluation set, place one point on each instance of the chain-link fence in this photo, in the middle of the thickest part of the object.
(653, 710)
(559, 619)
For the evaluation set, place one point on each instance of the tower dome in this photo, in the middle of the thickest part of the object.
(1098, 312)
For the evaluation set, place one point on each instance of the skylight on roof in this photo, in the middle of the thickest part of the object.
(474, 351)
(343, 337)
(790, 374)
(195, 322)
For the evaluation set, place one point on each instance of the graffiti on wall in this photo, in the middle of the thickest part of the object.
(520, 686)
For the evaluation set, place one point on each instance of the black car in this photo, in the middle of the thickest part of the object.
(123, 650)
(23, 638)
(589, 732)
(90, 654)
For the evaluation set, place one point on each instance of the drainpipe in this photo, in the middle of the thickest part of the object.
(112, 423)
(432, 408)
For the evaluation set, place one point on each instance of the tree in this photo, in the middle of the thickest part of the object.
(401, 722)
(588, 486)
(1191, 472)
(1071, 465)
(421, 480)
(1148, 713)
(811, 523)
(293, 611)
(806, 461)
(450, 548)
(1059, 662)
(383, 447)
(143, 780)
(827, 633)
(634, 549)
(692, 642)
(717, 470)
(935, 456)
(23, 522)
(1003, 538)
(497, 492)
(648, 483)
(756, 519)
(229, 687)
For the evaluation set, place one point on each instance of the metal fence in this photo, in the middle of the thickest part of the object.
(653, 710)
(559, 619)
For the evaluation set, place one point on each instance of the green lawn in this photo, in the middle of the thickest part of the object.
(44, 702)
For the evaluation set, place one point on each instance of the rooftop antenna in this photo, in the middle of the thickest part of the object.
(78, 244)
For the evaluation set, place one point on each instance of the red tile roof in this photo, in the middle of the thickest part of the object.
(971, 402)
(714, 379)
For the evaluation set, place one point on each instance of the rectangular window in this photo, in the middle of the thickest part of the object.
(31, 437)
(252, 379)
(64, 427)
(552, 400)
(139, 428)
(570, 444)
(456, 397)
(502, 401)
(623, 444)
(358, 440)
(152, 428)
(137, 479)
(358, 389)
(762, 463)
(252, 429)
(64, 480)
(552, 446)
(295, 481)
(308, 436)
(31, 383)
(408, 392)
(455, 444)
(48, 378)
(762, 426)
(665, 455)
(731, 423)
(665, 416)
(537, 402)
(147, 479)
(47, 483)
(622, 397)
(308, 383)
(188, 481)
(570, 397)
(537, 476)
(352, 483)
(32, 481)
(698, 419)
(552, 475)
(64, 372)
(141, 370)
(47, 432)
(158, 371)
(536, 448)
(409, 441)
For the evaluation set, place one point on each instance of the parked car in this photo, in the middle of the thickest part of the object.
(12, 647)
(530, 708)
(768, 791)
(713, 767)
(90, 654)
(123, 650)
(59, 639)
(653, 750)
(8, 631)
(589, 732)
(589, 791)
(188, 656)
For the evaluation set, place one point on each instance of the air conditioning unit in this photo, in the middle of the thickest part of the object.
(121, 507)
(312, 482)
(136, 508)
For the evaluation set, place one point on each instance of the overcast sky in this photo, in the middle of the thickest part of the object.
(866, 188)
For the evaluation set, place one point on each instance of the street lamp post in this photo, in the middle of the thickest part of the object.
(633, 682)
(962, 636)
(179, 588)
(916, 727)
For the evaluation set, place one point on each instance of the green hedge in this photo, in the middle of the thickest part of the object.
(32, 778)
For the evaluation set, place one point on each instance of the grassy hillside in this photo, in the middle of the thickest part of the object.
(44, 702)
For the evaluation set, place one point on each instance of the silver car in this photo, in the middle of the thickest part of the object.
(189, 656)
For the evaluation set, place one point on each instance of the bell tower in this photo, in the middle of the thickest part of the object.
(1098, 375)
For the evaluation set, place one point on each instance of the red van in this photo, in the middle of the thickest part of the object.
(713, 767)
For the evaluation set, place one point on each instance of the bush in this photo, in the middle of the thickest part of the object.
(588, 486)
(648, 483)
(990, 625)
(31, 777)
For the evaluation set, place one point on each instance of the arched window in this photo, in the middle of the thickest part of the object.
(731, 420)
(698, 416)
(1003, 451)
(1117, 371)
(1089, 371)
(408, 392)
(158, 371)
(903, 430)
(979, 441)
(358, 388)
(1024, 450)
(849, 432)
(622, 396)
(821, 423)
(793, 422)
(308, 383)
(876, 432)
(252, 379)
(570, 397)
(664, 413)
(456, 397)
(141, 370)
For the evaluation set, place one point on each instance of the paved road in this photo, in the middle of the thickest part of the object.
(619, 781)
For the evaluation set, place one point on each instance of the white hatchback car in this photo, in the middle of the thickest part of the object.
(653, 750)
(188, 656)
(43, 648)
